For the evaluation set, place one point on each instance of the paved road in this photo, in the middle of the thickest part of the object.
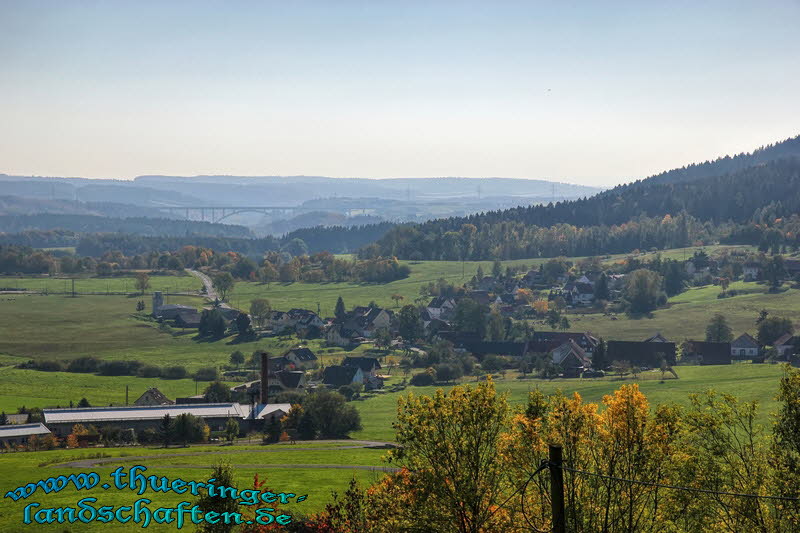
(211, 294)
(354, 444)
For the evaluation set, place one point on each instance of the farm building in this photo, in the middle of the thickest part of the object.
(642, 354)
(16, 434)
(61, 421)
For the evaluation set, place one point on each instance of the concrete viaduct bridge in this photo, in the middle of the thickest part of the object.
(219, 213)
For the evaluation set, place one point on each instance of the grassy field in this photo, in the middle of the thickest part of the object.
(688, 314)
(746, 381)
(179, 283)
(316, 483)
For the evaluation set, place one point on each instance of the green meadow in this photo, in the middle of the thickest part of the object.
(746, 381)
(315, 482)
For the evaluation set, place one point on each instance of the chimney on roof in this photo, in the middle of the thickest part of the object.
(264, 376)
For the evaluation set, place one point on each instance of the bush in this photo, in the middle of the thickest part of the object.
(119, 368)
(423, 379)
(149, 371)
(49, 365)
(175, 372)
(84, 364)
(208, 373)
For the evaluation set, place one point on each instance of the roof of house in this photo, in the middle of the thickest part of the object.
(264, 410)
(290, 378)
(142, 412)
(745, 340)
(22, 430)
(658, 337)
(339, 375)
(302, 353)
(712, 352)
(188, 317)
(481, 348)
(439, 301)
(641, 353)
(17, 418)
(482, 297)
(156, 395)
(544, 341)
(366, 364)
(561, 353)
(584, 288)
(783, 340)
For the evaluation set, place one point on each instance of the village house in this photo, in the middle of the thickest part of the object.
(441, 307)
(19, 434)
(187, 318)
(787, 345)
(300, 356)
(642, 354)
(578, 293)
(340, 335)
(744, 347)
(336, 376)
(484, 298)
(751, 271)
(366, 321)
(570, 358)
(368, 365)
(658, 337)
(709, 353)
(153, 396)
(545, 341)
(369, 368)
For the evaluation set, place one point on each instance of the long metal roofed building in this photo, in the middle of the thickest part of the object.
(61, 421)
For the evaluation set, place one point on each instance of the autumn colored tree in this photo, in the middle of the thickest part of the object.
(448, 443)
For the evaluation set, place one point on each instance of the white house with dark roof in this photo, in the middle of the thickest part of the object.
(744, 346)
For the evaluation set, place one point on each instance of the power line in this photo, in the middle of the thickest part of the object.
(678, 487)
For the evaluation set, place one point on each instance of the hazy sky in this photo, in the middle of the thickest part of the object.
(593, 93)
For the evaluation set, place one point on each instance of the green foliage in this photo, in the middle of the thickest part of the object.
(331, 415)
(223, 477)
(260, 310)
(718, 330)
(340, 311)
(188, 428)
(217, 392)
(207, 373)
(409, 323)
(643, 291)
(223, 284)
(237, 358)
(771, 328)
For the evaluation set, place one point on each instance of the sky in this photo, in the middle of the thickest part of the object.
(595, 93)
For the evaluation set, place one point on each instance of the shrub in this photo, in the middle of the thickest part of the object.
(84, 364)
(49, 366)
(149, 371)
(206, 374)
(119, 368)
(422, 379)
(175, 372)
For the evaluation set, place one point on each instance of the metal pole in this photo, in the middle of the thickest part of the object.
(557, 490)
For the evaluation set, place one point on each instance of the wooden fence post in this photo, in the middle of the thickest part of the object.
(557, 490)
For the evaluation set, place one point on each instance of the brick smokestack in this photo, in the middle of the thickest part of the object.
(264, 376)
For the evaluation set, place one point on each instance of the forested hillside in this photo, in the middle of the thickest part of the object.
(645, 214)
